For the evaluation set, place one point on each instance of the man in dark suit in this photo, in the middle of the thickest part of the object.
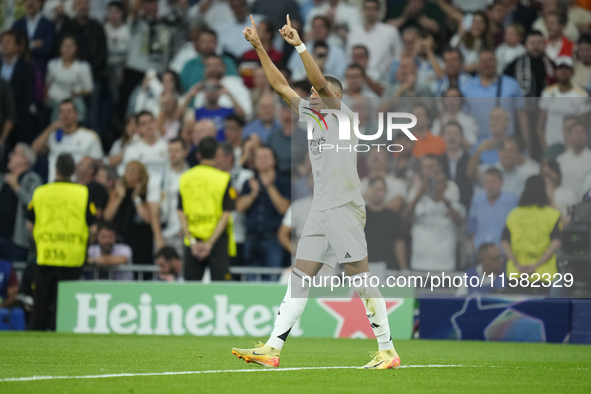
(40, 31)
(20, 75)
(455, 161)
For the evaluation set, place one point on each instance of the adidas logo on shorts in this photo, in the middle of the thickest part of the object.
(347, 255)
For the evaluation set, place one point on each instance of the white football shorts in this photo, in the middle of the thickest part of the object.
(334, 235)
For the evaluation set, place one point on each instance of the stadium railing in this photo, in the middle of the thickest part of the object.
(141, 270)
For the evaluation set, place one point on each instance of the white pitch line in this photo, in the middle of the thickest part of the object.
(122, 375)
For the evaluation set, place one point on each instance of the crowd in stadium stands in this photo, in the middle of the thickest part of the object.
(130, 88)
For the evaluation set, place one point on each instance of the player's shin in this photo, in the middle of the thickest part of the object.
(291, 308)
(375, 308)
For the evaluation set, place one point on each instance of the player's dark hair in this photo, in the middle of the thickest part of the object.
(483, 249)
(334, 82)
(495, 172)
(236, 118)
(142, 113)
(534, 192)
(179, 141)
(65, 166)
(168, 253)
(453, 123)
(207, 148)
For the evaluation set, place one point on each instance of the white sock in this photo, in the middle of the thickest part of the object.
(290, 309)
(375, 308)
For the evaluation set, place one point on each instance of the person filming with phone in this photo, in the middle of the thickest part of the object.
(434, 222)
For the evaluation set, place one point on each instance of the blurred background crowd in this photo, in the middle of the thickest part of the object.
(130, 88)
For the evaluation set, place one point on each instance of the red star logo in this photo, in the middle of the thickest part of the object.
(351, 315)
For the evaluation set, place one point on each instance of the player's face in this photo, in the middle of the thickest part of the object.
(316, 101)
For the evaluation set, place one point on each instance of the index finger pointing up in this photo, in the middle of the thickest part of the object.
(288, 21)
(252, 21)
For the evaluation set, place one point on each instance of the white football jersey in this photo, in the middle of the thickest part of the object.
(81, 143)
(154, 157)
(336, 181)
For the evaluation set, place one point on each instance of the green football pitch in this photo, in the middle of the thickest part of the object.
(69, 363)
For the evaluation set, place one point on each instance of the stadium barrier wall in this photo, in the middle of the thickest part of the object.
(151, 308)
(506, 319)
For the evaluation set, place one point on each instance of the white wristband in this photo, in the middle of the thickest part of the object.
(301, 48)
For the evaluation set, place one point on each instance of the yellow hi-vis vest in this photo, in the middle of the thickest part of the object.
(60, 230)
(530, 229)
(202, 190)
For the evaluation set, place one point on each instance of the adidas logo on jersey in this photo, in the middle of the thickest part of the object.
(347, 255)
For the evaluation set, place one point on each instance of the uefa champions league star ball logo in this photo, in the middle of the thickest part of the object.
(317, 118)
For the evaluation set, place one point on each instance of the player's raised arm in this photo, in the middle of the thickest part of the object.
(276, 79)
(312, 70)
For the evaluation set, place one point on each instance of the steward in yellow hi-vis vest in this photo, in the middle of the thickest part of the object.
(61, 215)
(206, 200)
(533, 233)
